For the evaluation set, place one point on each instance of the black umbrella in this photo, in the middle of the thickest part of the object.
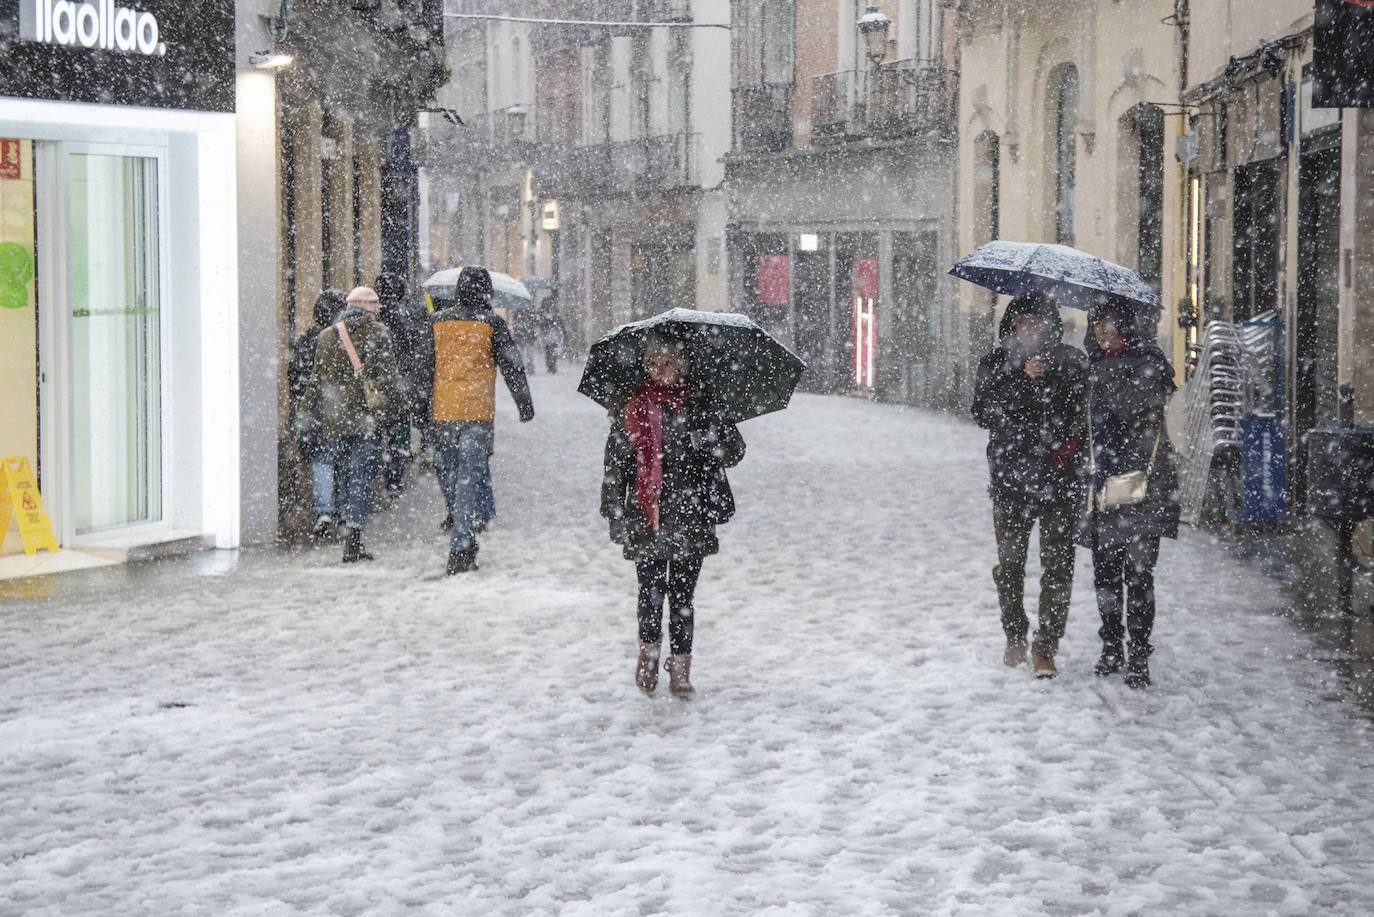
(743, 369)
(1074, 278)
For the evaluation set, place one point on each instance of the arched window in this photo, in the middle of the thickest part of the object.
(1064, 96)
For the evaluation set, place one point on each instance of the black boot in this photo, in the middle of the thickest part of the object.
(353, 550)
(461, 561)
(1138, 671)
(1110, 662)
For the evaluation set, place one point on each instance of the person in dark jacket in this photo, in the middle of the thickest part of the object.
(663, 493)
(356, 391)
(1129, 385)
(1029, 396)
(309, 433)
(468, 344)
(551, 331)
(409, 326)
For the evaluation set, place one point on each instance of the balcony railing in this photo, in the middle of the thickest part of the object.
(911, 97)
(629, 168)
(763, 118)
(834, 112)
(900, 99)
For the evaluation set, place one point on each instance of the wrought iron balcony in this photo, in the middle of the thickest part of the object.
(901, 99)
(629, 168)
(763, 119)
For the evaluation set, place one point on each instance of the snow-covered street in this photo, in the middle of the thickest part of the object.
(287, 735)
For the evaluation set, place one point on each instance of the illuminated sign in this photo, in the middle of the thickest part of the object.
(149, 53)
(99, 24)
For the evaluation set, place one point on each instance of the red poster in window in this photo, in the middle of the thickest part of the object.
(864, 281)
(10, 165)
(773, 280)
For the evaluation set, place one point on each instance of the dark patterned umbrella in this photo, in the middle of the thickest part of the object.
(743, 369)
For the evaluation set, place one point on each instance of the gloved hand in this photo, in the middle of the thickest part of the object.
(619, 534)
(1062, 457)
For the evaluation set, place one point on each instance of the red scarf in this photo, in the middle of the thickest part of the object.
(644, 423)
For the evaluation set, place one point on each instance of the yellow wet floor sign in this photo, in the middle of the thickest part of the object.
(20, 494)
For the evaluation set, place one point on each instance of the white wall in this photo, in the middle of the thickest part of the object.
(260, 340)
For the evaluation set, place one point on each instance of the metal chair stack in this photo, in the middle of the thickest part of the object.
(1235, 375)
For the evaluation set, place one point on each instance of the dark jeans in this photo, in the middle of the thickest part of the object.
(353, 474)
(1013, 525)
(677, 579)
(395, 455)
(1126, 573)
(463, 469)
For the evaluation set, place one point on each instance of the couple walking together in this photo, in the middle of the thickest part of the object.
(356, 394)
(1065, 430)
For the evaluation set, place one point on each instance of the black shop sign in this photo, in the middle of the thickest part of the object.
(154, 53)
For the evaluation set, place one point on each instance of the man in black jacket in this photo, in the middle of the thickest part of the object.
(1029, 394)
(409, 327)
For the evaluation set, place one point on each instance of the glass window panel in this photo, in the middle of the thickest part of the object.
(116, 351)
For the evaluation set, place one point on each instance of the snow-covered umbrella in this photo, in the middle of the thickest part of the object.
(744, 370)
(1074, 278)
(506, 291)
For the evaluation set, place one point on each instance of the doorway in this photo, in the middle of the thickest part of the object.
(1318, 314)
(101, 276)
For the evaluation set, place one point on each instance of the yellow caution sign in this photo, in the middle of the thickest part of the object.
(20, 494)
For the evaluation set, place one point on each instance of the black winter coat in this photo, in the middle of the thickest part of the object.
(1027, 421)
(409, 327)
(309, 429)
(1128, 397)
(697, 448)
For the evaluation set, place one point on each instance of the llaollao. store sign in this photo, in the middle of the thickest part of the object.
(150, 53)
(102, 24)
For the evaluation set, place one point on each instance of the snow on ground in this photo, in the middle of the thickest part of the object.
(294, 736)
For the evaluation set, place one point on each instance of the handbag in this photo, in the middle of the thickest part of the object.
(1127, 488)
(720, 500)
(372, 395)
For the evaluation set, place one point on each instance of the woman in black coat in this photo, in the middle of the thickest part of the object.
(1129, 384)
(663, 494)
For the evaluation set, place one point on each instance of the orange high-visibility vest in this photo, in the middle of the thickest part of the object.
(464, 371)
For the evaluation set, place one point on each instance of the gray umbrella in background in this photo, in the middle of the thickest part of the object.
(1074, 278)
(506, 291)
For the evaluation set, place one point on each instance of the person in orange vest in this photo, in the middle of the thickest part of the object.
(468, 345)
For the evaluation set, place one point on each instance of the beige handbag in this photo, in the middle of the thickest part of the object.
(1127, 488)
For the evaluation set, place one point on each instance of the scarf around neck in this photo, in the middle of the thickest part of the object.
(644, 424)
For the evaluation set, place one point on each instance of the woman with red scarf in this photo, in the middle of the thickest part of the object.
(663, 494)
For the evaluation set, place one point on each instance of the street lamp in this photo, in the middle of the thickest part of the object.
(873, 27)
(515, 122)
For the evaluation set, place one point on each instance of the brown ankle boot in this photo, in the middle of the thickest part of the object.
(646, 669)
(1015, 653)
(679, 675)
(1042, 664)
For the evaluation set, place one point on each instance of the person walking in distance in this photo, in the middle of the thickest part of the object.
(357, 391)
(467, 345)
(408, 324)
(1029, 396)
(309, 428)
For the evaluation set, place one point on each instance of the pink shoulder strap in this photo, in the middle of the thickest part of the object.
(348, 345)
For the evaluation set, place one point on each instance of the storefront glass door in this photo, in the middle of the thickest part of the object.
(114, 302)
